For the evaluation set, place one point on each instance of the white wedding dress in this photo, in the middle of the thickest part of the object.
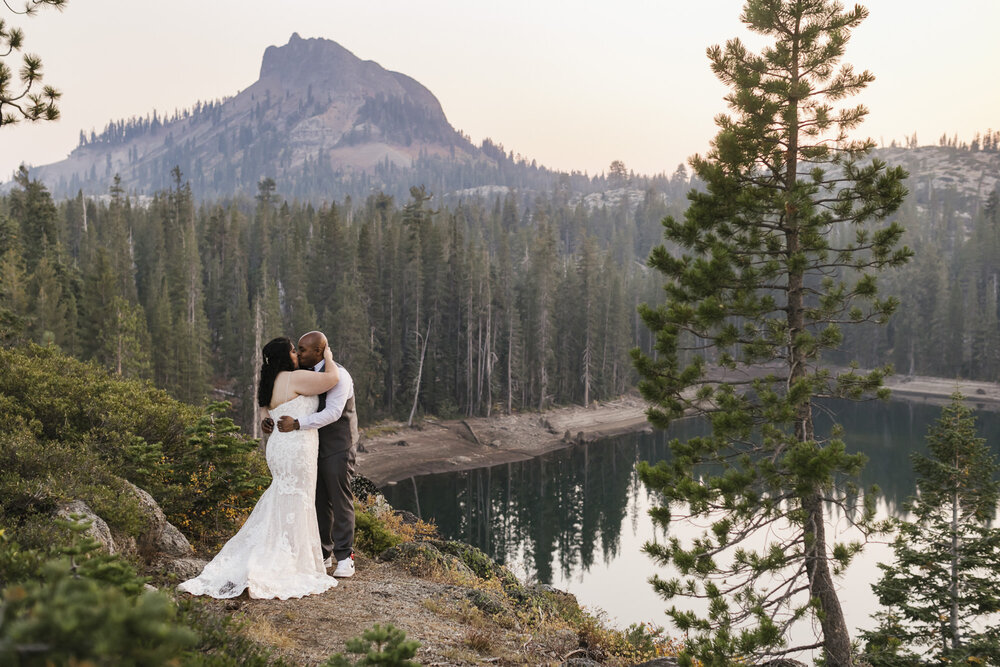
(277, 552)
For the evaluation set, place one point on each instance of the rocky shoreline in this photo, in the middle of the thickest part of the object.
(393, 452)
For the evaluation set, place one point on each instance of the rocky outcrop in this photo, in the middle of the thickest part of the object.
(161, 537)
(315, 106)
(160, 540)
(98, 527)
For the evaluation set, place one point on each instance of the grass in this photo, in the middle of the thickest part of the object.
(379, 430)
(261, 630)
(480, 640)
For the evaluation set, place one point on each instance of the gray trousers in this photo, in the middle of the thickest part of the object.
(335, 504)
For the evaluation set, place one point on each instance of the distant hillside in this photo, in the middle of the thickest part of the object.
(970, 173)
(319, 121)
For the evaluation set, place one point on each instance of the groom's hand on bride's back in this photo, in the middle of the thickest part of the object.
(267, 425)
(286, 424)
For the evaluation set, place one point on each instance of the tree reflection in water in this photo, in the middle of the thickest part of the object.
(568, 508)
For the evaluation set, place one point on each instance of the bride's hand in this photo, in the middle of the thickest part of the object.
(328, 354)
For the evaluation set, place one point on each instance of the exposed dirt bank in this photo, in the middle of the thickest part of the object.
(393, 452)
(938, 391)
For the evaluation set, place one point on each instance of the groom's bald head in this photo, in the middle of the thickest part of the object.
(311, 346)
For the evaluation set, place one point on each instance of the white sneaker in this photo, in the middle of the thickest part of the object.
(345, 568)
(328, 563)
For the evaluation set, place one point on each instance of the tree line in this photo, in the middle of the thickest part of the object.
(467, 309)
(524, 300)
(948, 324)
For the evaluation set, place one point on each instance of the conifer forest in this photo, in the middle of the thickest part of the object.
(505, 304)
(508, 302)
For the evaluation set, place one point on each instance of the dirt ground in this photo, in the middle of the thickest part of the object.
(938, 391)
(439, 615)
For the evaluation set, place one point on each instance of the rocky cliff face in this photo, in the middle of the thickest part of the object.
(971, 174)
(317, 113)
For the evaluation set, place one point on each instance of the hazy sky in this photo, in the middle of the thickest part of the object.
(573, 84)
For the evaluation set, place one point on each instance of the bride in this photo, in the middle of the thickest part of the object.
(277, 552)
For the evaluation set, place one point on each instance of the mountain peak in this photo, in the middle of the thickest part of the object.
(305, 57)
(317, 112)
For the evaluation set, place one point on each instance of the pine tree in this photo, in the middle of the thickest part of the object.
(53, 317)
(190, 339)
(161, 329)
(756, 285)
(538, 295)
(508, 341)
(14, 301)
(33, 208)
(941, 592)
(99, 289)
(418, 310)
(117, 238)
(31, 100)
(588, 303)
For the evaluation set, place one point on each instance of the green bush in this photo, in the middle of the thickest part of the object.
(371, 534)
(72, 431)
(37, 476)
(78, 605)
(378, 646)
(220, 475)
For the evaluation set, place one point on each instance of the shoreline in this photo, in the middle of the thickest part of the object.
(390, 453)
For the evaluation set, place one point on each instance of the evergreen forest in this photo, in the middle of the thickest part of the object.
(505, 304)
(505, 301)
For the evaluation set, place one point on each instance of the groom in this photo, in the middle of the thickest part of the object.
(337, 422)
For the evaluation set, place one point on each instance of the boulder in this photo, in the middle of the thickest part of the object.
(182, 568)
(161, 536)
(172, 542)
(580, 662)
(98, 527)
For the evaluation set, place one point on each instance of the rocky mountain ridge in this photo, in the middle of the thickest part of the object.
(316, 112)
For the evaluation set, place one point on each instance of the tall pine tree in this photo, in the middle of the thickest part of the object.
(755, 287)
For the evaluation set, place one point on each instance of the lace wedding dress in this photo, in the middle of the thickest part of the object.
(277, 553)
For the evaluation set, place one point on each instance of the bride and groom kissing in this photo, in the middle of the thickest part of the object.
(303, 523)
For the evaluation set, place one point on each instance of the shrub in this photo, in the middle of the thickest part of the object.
(224, 475)
(78, 605)
(73, 431)
(379, 646)
(378, 527)
(81, 605)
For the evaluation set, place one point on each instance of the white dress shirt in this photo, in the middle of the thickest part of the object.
(336, 400)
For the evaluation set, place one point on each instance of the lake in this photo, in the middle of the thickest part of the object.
(577, 518)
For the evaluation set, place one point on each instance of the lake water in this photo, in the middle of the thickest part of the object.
(577, 518)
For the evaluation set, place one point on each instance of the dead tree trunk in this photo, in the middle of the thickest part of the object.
(420, 372)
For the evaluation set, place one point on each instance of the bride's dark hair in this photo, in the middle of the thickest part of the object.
(277, 357)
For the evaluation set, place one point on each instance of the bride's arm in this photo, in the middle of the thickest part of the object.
(310, 383)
